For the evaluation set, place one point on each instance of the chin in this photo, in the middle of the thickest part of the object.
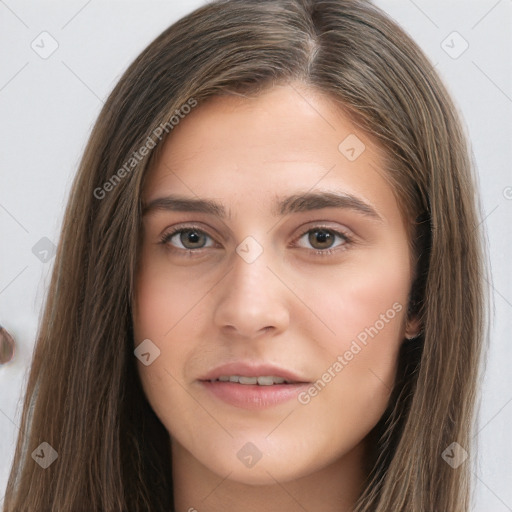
(261, 461)
(263, 473)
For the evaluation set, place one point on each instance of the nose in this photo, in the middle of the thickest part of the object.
(252, 300)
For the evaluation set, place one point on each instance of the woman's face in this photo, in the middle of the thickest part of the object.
(273, 246)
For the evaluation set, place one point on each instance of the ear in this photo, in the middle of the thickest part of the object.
(412, 327)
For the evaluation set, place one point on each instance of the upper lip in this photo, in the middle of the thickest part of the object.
(244, 369)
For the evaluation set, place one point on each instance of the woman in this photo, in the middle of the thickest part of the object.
(268, 288)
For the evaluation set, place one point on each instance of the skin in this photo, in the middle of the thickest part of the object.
(291, 306)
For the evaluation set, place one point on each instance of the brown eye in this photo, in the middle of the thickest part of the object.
(192, 239)
(187, 239)
(324, 241)
(321, 238)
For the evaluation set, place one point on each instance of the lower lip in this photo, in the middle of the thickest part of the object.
(249, 396)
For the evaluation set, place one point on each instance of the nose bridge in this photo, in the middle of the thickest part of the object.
(250, 278)
(251, 300)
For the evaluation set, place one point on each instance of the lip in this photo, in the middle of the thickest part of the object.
(249, 396)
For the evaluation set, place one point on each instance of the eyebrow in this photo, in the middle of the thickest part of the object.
(296, 203)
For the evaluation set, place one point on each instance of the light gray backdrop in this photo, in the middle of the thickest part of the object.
(59, 61)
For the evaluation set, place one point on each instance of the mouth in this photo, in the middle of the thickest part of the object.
(267, 380)
(249, 386)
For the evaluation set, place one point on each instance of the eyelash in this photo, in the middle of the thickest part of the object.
(166, 237)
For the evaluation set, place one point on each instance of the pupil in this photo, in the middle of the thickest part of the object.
(322, 237)
(190, 237)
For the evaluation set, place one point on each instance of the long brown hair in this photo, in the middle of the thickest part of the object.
(84, 397)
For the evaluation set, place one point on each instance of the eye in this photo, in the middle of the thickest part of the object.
(323, 239)
(193, 239)
(187, 238)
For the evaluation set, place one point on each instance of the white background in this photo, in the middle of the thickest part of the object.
(48, 106)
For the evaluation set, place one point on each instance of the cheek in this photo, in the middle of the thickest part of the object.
(159, 308)
(164, 313)
(364, 308)
(368, 289)
(165, 310)
(163, 298)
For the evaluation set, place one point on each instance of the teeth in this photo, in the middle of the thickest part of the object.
(248, 380)
(267, 380)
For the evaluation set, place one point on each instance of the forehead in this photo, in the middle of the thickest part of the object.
(249, 150)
